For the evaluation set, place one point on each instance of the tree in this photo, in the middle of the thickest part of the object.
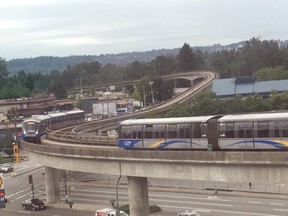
(186, 61)
(29, 82)
(135, 71)
(3, 72)
(206, 103)
(180, 110)
(276, 73)
(162, 65)
(58, 89)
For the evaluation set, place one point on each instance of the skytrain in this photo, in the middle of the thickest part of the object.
(34, 127)
(258, 131)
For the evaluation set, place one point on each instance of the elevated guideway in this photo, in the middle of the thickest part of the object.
(75, 153)
(256, 167)
(92, 138)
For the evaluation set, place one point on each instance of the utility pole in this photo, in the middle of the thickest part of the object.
(152, 93)
(117, 200)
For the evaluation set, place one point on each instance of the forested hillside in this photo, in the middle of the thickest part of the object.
(265, 60)
(45, 64)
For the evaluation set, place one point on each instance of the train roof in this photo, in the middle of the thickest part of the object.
(166, 120)
(255, 117)
(74, 112)
(41, 117)
(32, 120)
(57, 114)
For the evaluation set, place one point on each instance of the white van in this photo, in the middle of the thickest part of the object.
(189, 213)
(109, 212)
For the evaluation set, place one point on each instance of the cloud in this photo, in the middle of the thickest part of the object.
(31, 27)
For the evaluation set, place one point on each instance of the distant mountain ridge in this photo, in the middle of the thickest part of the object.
(45, 64)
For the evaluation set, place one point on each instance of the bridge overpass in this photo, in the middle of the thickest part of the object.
(138, 165)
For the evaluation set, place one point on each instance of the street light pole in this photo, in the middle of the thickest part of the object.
(152, 93)
(144, 99)
(117, 200)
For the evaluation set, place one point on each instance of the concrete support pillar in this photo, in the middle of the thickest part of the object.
(192, 82)
(52, 185)
(138, 196)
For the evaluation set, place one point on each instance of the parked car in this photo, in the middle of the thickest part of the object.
(189, 213)
(33, 204)
(6, 168)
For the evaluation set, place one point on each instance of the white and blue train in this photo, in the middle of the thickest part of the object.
(264, 131)
(34, 127)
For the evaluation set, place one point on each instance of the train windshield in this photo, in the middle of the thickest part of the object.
(30, 126)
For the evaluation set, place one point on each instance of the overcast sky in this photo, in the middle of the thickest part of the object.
(31, 28)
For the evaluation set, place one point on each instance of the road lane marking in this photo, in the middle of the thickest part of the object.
(24, 212)
(285, 210)
(254, 202)
(222, 211)
(189, 202)
(279, 204)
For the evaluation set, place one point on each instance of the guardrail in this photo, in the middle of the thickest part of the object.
(101, 139)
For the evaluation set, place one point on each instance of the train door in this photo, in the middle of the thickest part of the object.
(171, 136)
(184, 135)
(198, 134)
(158, 136)
(244, 134)
(261, 134)
(226, 134)
(148, 136)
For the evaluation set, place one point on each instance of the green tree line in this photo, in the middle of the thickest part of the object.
(263, 59)
(207, 103)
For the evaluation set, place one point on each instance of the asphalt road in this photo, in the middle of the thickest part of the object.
(91, 194)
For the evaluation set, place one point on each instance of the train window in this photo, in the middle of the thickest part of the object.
(183, 130)
(126, 131)
(196, 130)
(172, 131)
(159, 131)
(203, 129)
(148, 131)
(262, 129)
(136, 131)
(243, 129)
(229, 133)
(284, 129)
(274, 129)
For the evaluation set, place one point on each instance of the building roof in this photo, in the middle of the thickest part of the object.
(246, 86)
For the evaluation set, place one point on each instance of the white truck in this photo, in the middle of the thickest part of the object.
(109, 212)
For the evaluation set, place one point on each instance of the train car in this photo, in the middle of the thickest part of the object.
(59, 120)
(34, 128)
(37, 125)
(172, 133)
(76, 117)
(254, 131)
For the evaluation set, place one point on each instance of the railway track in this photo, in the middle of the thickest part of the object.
(90, 133)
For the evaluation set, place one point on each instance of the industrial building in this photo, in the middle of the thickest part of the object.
(245, 86)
